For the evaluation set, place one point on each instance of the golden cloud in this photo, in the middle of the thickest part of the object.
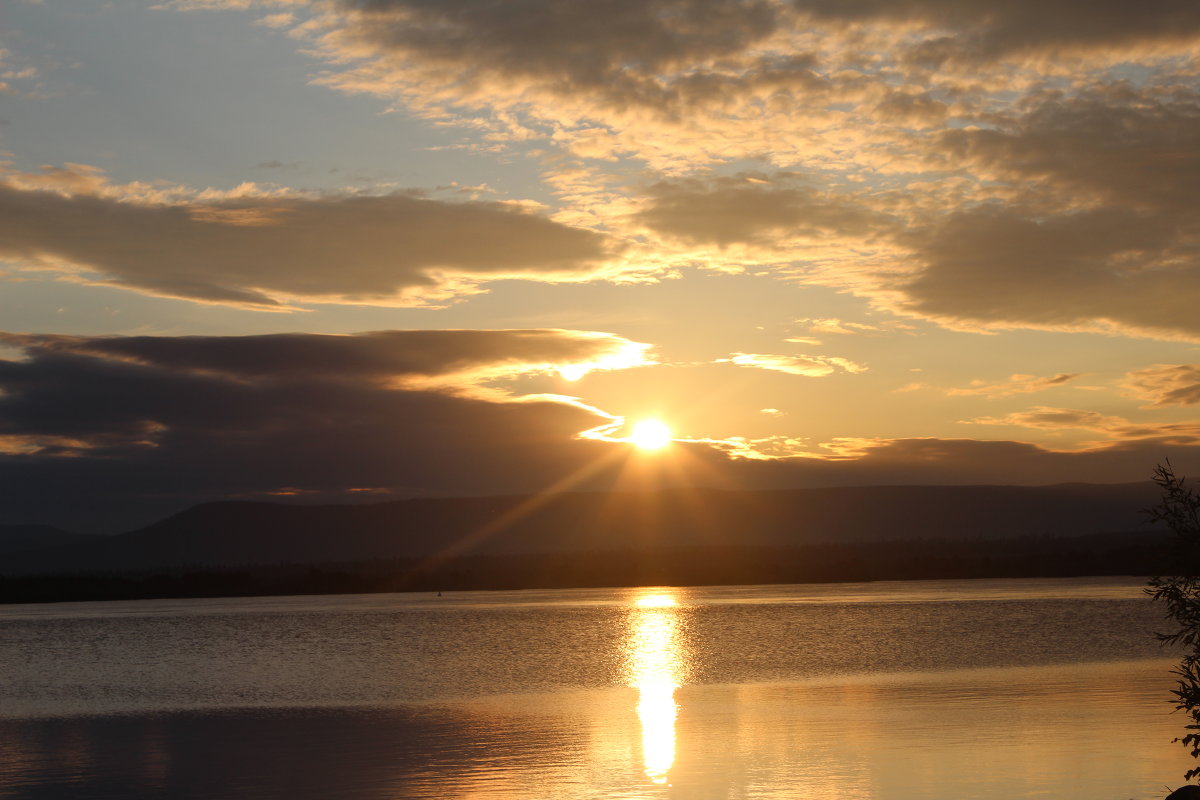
(808, 366)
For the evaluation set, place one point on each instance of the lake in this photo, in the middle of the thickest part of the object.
(983, 689)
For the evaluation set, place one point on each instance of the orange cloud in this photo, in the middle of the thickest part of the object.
(1016, 384)
(808, 366)
(1166, 384)
(1054, 419)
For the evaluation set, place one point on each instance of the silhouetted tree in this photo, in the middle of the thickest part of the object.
(1179, 508)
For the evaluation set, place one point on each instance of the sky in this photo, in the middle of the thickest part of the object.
(347, 250)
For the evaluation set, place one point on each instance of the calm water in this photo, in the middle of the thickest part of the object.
(885, 691)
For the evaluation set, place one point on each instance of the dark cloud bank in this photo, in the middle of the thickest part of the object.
(159, 422)
(263, 251)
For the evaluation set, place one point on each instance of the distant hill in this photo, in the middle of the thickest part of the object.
(20, 538)
(233, 534)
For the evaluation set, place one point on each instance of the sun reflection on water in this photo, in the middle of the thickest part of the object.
(656, 668)
(655, 601)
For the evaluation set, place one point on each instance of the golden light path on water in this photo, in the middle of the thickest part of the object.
(656, 671)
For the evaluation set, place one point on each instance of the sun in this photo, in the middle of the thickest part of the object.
(650, 434)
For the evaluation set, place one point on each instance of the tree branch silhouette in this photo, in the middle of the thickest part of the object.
(1179, 508)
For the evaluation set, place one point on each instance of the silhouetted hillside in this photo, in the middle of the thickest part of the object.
(236, 534)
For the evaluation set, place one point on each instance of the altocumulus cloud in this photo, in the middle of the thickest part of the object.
(264, 250)
(742, 65)
(670, 54)
(1026, 164)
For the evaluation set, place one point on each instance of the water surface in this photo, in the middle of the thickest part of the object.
(984, 689)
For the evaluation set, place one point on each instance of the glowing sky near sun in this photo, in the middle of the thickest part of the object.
(858, 242)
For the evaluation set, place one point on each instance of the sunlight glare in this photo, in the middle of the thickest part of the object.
(573, 372)
(656, 671)
(650, 434)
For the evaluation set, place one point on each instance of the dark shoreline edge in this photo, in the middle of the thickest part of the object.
(1127, 554)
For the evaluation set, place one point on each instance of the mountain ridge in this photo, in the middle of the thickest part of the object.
(233, 533)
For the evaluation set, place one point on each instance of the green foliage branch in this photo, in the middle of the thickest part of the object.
(1179, 509)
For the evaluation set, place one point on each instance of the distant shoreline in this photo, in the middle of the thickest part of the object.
(1097, 555)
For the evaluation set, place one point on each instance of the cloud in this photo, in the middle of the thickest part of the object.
(1016, 384)
(1165, 384)
(1062, 170)
(1047, 418)
(263, 250)
(1056, 193)
(209, 5)
(856, 89)
(674, 82)
(832, 325)
(916, 109)
(752, 209)
(679, 81)
(15, 77)
(781, 222)
(669, 56)
(808, 366)
(671, 81)
(975, 30)
(1108, 267)
(615, 53)
(462, 356)
(121, 424)
(1083, 216)
(1056, 419)
(1110, 144)
(281, 20)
